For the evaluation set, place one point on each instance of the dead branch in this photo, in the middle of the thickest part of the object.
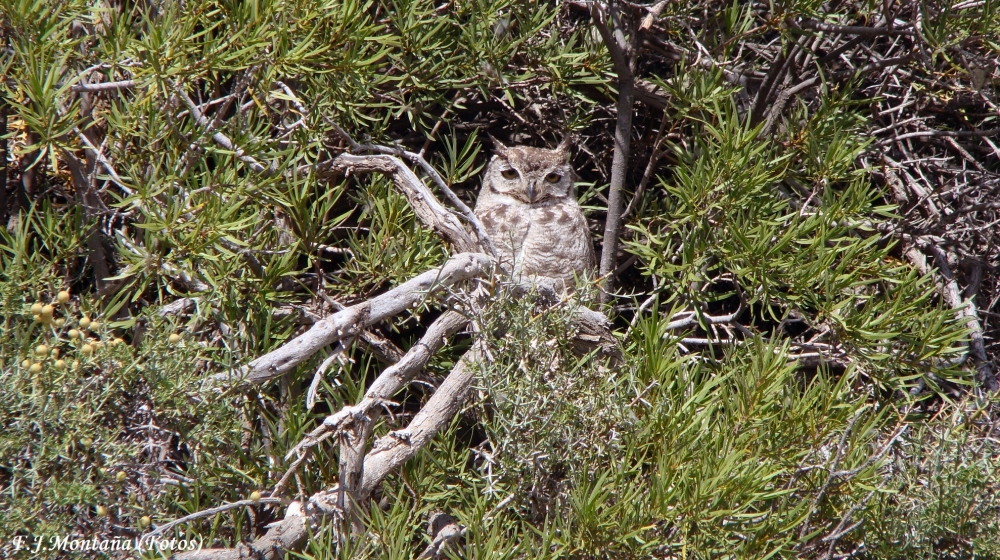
(418, 158)
(444, 530)
(352, 320)
(857, 30)
(289, 534)
(390, 381)
(965, 309)
(398, 447)
(388, 454)
(220, 138)
(623, 54)
(162, 529)
(84, 180)
(423, 202)
(104, 86)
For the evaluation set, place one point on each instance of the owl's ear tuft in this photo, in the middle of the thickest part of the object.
(499, 147)
(564, 146)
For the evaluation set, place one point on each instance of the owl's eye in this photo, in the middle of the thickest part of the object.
(509, 174)
(553, 177)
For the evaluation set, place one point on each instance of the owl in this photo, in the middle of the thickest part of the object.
(529, 209)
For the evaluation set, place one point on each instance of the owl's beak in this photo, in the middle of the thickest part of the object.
(531, 191)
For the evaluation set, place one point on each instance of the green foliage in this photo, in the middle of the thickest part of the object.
(942, 498)
(552, 413)
(741, 449)
(101, 406)
(729, 218)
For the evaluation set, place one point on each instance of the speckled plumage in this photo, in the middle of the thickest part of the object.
(528, 206)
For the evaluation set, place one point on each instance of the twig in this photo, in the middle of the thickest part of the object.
(99, 157)
(220, 138)
(162, 529)
(336, 356)
(936, 133)
(850, 29)
(104, 86)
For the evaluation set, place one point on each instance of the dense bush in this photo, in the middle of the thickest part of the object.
(806, 287)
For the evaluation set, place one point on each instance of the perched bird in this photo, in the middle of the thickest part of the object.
(528, 207)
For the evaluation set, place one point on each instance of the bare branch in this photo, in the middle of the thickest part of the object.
(162, 529)
(104, 86)
(623, 136)
(389, 382)
(220, 138)
(654, 12)
(353, 320)
(465, 211)
(389, 453)
(443, 530)
(947, 133)
(288, 534)
(616, 49)
(423, 202)
(398, 447)
(964, 309)
(860, 31)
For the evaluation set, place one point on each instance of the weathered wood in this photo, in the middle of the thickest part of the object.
(353, 320)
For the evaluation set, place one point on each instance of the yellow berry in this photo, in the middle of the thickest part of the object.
(48, 310)
(94, 325)
(120, 477)
(85, 323)
(36, 308)
(35, 368)
(42, 350)
(145, 521)
(87, 349)
(62, 297)
(102, 511)
(38, 318)
(59, 364)
(26, 364)
(60, 322)
(74, 334)
(255, 496)
(54, 353)
(86, 441)
(174, 338)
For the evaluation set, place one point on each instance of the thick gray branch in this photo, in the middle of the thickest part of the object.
(353, 320)
(398, 447)
(423, 202)
(390, 381)
(104, 86)
(389, 453)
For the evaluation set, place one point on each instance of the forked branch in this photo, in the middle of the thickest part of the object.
(351, 321)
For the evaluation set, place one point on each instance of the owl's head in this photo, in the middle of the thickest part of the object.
(530, 175)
